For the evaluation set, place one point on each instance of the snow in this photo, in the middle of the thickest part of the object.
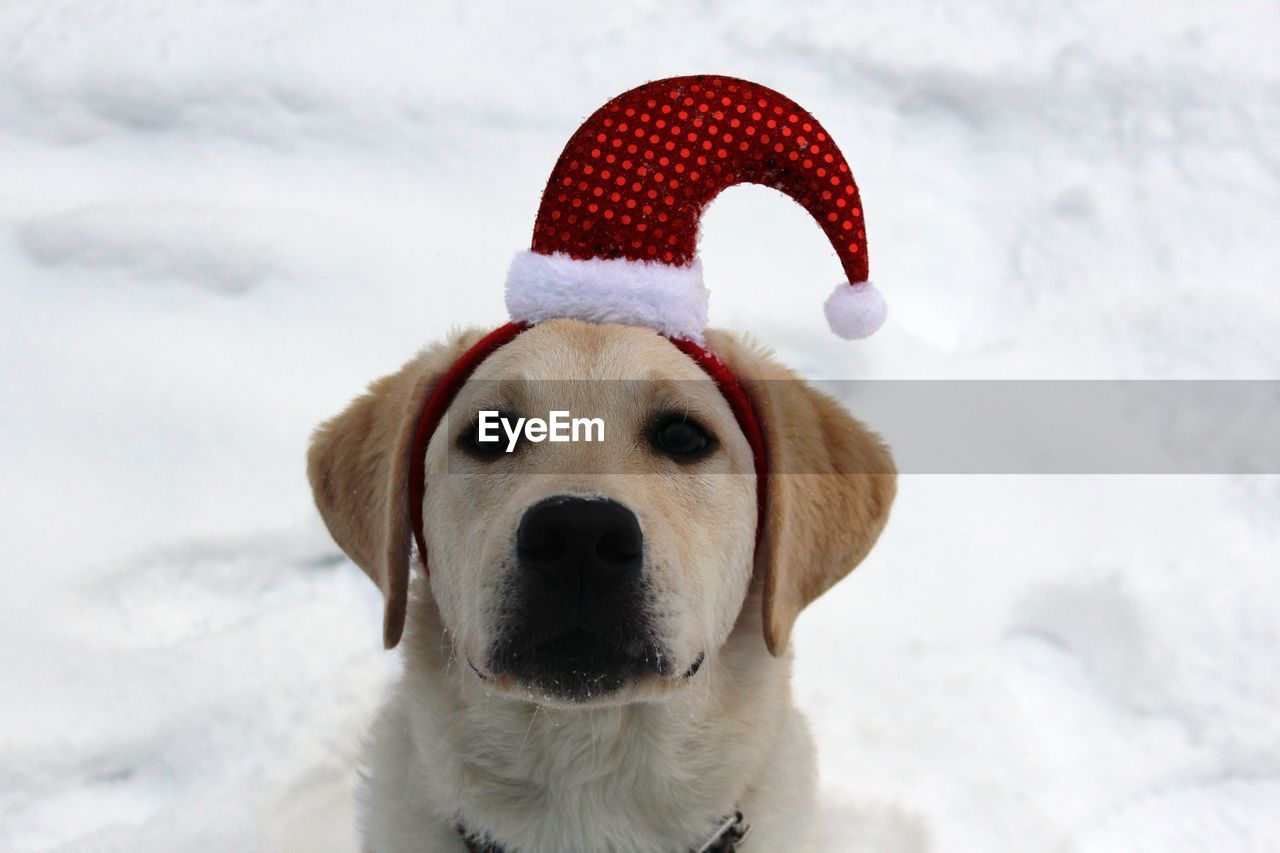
(219, 221)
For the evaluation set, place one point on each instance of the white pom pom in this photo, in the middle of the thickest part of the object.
(855, 310)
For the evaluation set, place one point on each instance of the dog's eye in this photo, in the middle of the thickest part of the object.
(682, 439)
(491, 446)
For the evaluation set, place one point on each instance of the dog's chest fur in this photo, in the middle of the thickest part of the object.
(649, 777)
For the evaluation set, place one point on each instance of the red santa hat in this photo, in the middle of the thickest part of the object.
(615, 240)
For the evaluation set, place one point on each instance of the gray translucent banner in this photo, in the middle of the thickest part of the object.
(934, 426)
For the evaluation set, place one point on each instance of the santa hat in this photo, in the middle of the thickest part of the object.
(615, 240)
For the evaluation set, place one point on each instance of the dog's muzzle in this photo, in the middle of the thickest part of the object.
(576, 622)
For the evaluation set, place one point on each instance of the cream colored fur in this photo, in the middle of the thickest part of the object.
(648, 769)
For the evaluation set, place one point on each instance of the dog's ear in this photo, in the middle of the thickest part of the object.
(358, 465)
(828, 493)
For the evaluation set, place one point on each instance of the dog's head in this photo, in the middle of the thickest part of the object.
(602, 570)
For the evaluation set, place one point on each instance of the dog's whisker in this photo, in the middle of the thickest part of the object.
(594, 740)
(477, 670)
(532, 719)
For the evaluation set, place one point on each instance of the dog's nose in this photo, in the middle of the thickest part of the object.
(576, 543)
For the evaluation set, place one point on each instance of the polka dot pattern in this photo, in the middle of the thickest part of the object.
(634, 179)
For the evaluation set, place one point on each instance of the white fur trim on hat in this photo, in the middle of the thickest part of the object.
(669, 299)
(855, 310)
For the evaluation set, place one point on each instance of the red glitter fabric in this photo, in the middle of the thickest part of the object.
(633, 181)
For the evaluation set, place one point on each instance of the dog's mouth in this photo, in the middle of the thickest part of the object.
(577, 665)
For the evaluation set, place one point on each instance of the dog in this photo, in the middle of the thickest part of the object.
(597, 658)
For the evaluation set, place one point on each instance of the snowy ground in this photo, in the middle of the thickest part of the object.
(218, 221)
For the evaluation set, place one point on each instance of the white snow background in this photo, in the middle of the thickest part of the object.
(218, 221)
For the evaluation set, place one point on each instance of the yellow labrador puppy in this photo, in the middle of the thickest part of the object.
(597, 658)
